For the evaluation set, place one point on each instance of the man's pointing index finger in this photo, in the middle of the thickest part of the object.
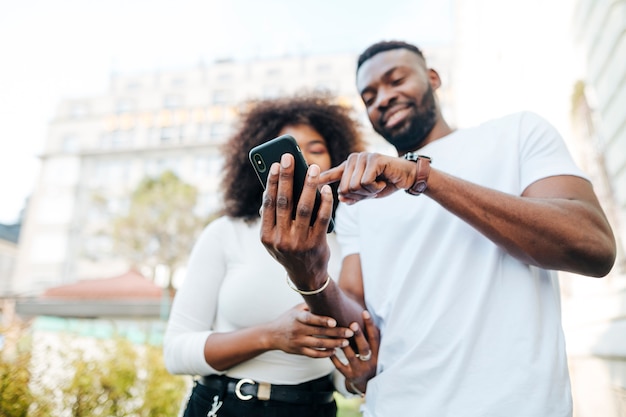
(332, 175)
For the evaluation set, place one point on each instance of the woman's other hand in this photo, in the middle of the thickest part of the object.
(301, 332)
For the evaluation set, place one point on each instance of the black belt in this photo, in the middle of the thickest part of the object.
(246, 389)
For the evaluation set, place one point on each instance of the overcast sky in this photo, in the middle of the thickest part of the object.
(58, 49)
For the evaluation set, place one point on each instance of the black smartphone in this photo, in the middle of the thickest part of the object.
(263, 156)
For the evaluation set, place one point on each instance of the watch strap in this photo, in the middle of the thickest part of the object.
(422, 172)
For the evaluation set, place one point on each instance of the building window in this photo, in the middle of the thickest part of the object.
(202, 133)
(271, 91)
(201, 166)
(218, 131)
(133, 86)
(273, 72)
(207, 166)
(172, 101)
(221, 97)
(70, 144)
(224, 77)
(323, 69)
(111, 172)
(117, 139)
(198, 115)
(169, 135)
(78, 110)
(124, 106)
(177, 82)
(155, 167)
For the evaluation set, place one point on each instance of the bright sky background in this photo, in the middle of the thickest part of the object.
(58, 49)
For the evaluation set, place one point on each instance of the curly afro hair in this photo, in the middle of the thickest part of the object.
(263, 121)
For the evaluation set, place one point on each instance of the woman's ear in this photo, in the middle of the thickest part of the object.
(433, 78)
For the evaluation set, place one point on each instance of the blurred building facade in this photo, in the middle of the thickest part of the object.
(595, 312)
(99, 148)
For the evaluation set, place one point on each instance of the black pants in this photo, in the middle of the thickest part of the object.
(208, 402)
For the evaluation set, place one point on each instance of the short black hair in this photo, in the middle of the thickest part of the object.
(383, 46)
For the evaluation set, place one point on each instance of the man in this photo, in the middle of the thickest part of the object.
(461, 281)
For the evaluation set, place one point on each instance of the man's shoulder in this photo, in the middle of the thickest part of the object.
(518, 124)
(517, 118)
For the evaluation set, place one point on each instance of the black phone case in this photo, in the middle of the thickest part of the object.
(263, 156)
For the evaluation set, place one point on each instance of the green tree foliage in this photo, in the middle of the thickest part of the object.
(104, 387)
(163, 393)
(17, 398)
(111, 378)
(126, 380)
(105, 378)
(161, 226)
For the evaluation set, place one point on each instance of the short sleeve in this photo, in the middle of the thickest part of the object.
(543, 152)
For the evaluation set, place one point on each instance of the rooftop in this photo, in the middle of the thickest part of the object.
(10, 232)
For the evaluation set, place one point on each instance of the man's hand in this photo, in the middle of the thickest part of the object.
(370, 175)
(360, 368)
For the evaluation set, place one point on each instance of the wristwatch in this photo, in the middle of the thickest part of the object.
(422, 171)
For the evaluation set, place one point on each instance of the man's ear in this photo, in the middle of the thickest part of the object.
(433, 78)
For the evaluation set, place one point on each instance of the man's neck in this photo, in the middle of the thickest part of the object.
(440, 130)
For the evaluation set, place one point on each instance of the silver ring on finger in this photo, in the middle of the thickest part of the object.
(365, 357)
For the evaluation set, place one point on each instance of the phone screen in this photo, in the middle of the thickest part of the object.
(263, 156)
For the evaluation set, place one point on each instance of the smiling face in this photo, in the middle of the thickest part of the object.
(397, 90)
(311, 143)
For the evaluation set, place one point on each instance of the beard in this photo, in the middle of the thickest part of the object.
(408, 136)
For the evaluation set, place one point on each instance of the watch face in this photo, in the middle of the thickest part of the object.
(411, 156)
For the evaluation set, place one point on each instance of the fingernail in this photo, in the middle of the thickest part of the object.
(314, 171)
(285, 161)
(366, 315)
(326, 189)
(274, 169)
(349, 333)
(344, 343)
(332, 323)
(355, 327)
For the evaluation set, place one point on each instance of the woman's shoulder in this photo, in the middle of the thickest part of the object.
(226, 224)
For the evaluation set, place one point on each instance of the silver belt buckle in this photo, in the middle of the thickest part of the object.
(238, 393)
(263, 392)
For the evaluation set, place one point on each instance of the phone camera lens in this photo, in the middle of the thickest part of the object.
(260, 164)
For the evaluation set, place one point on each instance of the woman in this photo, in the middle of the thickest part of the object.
(234, 320)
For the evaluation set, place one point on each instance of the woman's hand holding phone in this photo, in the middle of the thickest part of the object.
(263, 156)
(299, 246)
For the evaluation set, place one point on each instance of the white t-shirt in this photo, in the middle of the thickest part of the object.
(233, 283)
(467, 330)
